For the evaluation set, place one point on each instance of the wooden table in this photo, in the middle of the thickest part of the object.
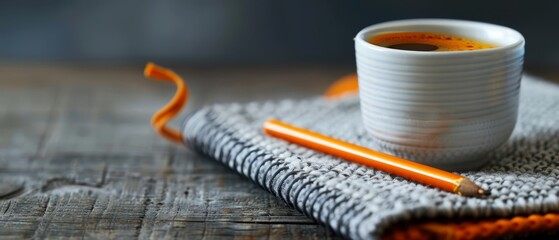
(78, 158)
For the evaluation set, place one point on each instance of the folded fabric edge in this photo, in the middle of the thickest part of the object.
(467, 229)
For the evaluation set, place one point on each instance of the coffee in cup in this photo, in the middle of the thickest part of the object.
(427, 41)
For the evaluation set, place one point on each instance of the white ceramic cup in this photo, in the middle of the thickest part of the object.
(444, 109)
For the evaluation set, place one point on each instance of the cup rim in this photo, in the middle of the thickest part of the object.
(360, 37)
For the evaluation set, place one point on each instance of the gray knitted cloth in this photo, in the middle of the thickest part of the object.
(359, 202)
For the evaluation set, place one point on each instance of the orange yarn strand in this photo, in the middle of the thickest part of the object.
(173, 107)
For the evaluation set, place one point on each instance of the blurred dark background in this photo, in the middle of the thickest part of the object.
(242, 32)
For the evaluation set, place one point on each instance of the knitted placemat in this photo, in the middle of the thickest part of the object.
(358, 202)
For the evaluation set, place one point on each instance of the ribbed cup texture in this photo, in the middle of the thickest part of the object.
(446, 109)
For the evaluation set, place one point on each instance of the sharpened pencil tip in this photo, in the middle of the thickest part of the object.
(470, 189)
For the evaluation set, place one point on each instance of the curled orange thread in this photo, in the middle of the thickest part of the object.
(173, 107)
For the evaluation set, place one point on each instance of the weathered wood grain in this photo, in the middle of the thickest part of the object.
(78, 158)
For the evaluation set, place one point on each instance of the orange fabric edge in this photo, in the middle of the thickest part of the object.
(490, 228)
(480, 229)
(173, 107)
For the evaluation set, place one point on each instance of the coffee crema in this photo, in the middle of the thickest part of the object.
(427, 41)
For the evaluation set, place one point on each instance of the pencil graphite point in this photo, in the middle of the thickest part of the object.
(484, 192)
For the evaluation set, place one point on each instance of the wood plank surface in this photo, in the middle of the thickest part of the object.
(78, 158)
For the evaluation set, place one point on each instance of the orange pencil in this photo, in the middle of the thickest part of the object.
(391, 164)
